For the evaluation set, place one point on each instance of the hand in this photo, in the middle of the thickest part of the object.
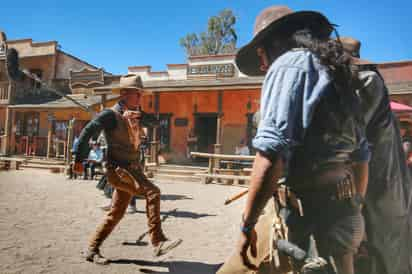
(247, 240)
(78, 168)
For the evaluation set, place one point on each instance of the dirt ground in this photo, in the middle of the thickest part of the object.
(46, 221)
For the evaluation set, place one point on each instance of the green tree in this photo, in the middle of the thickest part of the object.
(219, 38)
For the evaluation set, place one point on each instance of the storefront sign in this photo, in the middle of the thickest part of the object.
(222, 70)
(51, 117)
(86, 78)
(181, 122)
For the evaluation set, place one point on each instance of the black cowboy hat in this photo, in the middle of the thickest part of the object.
(272, 20)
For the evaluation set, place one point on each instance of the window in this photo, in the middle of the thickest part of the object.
(163, 133)
(60, 130)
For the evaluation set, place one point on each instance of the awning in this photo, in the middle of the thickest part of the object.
(397, 107)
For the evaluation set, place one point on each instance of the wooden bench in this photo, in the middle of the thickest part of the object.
(10, 162)
(208, 178)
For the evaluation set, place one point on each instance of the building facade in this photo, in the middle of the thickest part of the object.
(33, 120)
(208, 98)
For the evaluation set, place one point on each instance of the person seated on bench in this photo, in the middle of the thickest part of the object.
(94, 159)
(242, 148)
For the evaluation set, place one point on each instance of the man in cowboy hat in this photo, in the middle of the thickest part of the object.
(310, 124)
(122, 126)
(389, 189)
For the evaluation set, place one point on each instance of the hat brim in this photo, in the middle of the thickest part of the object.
(246, 58)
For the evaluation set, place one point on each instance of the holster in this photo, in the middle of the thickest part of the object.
(125, 176)
(287, 198)
(333, 181)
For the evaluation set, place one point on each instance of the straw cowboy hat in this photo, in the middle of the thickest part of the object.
(271, 21)
(129, 83)
(352, 47)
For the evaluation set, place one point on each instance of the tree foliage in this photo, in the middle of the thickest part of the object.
(219, 38)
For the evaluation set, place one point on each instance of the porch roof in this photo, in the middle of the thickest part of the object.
(63, 103)
(195, 84)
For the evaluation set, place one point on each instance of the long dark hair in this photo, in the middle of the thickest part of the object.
(329, 51)
(330, 54)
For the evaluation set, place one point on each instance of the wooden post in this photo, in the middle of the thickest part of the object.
(155, 141)
(154, 148)
(210, 170)
(103, 102)
(49, 138)
(12, 136)
(69, 142)
(6, 149)
(218, 145)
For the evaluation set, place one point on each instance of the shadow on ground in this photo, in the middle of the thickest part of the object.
(174, 197)
(182, 214)
(170, 197)
(174, 267)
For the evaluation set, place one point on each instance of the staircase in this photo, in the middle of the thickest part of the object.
(176, 173)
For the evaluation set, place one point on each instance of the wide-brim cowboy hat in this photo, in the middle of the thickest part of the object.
(352, 47)
(129, 83)
(274, 20)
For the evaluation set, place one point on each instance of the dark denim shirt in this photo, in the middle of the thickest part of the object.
(292, 88)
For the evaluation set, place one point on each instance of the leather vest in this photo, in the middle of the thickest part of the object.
(121, 150)
(334, 133)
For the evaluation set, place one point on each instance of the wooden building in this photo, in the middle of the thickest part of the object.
(212, 97)
(33, 120)
(208, 95)
(398, 78)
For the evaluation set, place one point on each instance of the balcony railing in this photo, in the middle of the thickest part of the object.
(4, 93)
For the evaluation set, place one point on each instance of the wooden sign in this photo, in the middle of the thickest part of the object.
(222, 70)
(181, 122)
(86, 78)
(51, 117)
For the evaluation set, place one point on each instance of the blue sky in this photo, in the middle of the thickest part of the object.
(118, 34)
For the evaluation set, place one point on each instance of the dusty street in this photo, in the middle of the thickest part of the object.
(46, 221)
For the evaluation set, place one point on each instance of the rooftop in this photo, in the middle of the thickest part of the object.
(62, 103)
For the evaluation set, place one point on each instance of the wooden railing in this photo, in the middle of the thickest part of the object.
(231, 172)
(4, 93)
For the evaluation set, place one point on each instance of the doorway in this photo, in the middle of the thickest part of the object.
(205, 130)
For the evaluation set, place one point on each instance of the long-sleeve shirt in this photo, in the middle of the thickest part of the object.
(105, 120)
(291, 91)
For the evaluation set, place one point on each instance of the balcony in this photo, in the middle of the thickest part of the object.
(4, 93)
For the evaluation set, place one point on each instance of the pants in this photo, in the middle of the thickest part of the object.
(92, 166)
(337, 225)
(121, 198)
